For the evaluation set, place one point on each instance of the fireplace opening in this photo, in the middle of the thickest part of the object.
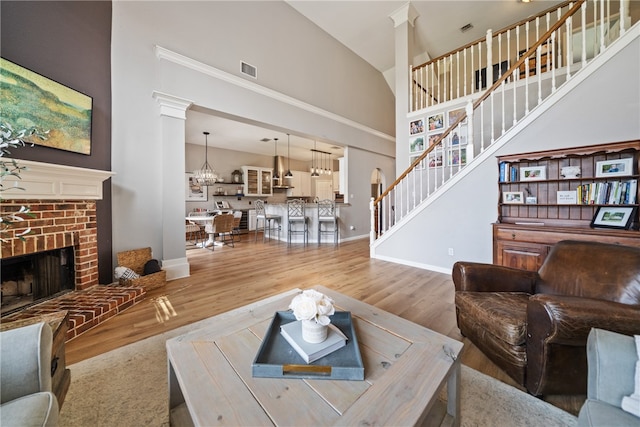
(29, 279)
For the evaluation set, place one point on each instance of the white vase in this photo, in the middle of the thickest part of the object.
(313, 332)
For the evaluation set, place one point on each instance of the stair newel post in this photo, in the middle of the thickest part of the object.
(372, 232)
(470, 144)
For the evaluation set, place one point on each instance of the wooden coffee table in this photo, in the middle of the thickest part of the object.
(406, 365)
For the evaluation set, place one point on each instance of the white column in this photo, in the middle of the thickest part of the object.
(403, 20)
(172, 130)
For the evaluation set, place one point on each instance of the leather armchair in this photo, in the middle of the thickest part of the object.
(534, 325)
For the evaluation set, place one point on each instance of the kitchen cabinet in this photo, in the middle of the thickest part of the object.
(257, 181)
(300, 183)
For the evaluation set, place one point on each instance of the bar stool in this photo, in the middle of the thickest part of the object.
(327, 215)
(295, 217)
(267, 220)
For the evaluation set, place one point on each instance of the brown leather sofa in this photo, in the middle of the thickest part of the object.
(534, 325)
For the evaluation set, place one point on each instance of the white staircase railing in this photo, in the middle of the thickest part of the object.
(579, 32)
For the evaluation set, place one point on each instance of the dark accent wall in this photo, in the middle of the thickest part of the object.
(69, 42)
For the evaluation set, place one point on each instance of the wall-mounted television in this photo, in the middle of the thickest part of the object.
(29, 100)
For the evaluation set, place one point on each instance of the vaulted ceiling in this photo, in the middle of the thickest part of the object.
(365, 27)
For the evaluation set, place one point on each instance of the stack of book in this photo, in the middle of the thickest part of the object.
(292, 332)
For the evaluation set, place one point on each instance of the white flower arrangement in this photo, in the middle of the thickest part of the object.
(312, 305)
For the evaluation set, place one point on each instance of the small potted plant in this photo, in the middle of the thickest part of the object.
(312, 309)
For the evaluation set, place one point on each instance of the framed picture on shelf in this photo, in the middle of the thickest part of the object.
(416, 127)
(615, 167)
(436, 121)
(416, 144)
(613, 217)
(567, 197)
(433, 138)
(513, 197)
(453, 115)
(533, 173)
(194, 192)
(457, 156)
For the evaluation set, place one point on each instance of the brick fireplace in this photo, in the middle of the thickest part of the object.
(56, 224)
(62, 203)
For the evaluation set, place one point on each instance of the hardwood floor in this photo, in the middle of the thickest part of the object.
(230, 277)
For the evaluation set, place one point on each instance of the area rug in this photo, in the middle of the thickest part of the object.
(128, 387)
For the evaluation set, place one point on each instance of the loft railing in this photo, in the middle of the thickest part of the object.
(464, 71)
(582, 30)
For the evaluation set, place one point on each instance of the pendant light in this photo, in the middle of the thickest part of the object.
(314, 166)
(276, 173)
(205, 175)
(288, 174)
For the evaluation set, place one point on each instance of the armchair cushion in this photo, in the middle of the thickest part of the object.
(33, 410)
(25, 362)
(502, 314)
(25, 377)
(611, 363)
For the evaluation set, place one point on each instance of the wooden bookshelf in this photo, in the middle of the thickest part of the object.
(525, 232)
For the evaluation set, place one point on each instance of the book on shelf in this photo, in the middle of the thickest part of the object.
(311, 352)
(608, 193)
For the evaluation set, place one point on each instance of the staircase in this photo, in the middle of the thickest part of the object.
(522, 96)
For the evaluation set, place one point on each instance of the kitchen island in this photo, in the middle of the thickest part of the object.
(311, 212)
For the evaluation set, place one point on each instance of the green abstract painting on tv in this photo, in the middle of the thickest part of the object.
(31, 100)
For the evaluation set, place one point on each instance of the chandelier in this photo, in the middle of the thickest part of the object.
(206, 175)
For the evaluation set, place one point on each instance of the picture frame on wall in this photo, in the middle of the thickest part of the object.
(533, 173)
(513, 197)
(416, 127)
(614, 167)
(453, 115)
(457, 157)
(49, 106)
(434, 159)
(613, 217)
(419, 166)
(416, 144)
(433, 138)
(458, 136)
(436, 121)
(194, 192)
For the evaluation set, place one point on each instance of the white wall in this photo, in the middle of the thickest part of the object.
(360, 165)
(295, 59)
(603, 108)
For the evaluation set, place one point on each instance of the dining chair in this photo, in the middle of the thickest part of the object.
(237, 217)
(327, 216)
(221, 226)
(295, 218)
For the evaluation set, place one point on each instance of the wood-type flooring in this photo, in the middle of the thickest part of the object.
(230, 277)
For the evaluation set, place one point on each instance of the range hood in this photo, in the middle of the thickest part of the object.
(279, 170)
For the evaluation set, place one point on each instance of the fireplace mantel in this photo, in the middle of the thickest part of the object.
(46, 181)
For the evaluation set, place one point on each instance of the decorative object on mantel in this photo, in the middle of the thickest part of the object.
(206, 175)
(312, 309)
